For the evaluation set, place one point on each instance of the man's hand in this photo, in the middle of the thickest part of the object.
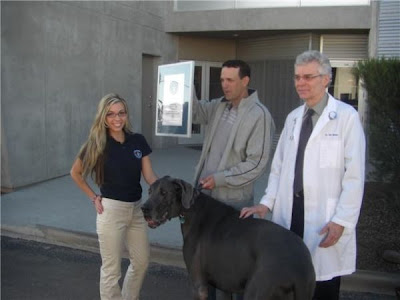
(260, 210)
(333, 233)
(208, 183)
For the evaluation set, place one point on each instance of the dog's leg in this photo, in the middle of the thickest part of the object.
(200, 292)
(260, 288)
(200, 286)
(221, 295)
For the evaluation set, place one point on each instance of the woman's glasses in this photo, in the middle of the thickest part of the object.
(112, 115)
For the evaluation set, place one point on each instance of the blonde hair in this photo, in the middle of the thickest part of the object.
(92, 151)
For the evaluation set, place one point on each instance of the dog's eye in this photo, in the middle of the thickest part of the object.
(163, 193)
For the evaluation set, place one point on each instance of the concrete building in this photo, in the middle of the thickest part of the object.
(59, 59)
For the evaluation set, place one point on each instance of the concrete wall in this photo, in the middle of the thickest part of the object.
(58, 60)
(288, 18)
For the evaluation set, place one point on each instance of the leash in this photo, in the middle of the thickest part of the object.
(199, 187)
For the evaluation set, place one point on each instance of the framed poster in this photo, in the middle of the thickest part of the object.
(174, 99)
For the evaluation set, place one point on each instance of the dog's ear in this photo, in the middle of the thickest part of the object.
(188, 193)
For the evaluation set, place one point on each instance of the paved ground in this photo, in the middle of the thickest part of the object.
(32, 270)
(60, 204)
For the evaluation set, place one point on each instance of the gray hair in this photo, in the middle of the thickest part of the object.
(320, 58)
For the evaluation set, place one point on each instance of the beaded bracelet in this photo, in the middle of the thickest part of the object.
(94, 198)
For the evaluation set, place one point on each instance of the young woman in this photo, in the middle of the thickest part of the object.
(115, 158)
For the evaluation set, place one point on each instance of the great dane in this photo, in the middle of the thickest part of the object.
(252, 256)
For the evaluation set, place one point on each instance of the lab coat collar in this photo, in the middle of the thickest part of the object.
(331, 108)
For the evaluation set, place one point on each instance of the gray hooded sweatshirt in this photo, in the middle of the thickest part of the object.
(246, 153)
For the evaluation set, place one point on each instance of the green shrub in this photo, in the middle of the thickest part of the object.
(381, 79)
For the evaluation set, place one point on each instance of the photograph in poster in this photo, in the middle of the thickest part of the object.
(174, 107)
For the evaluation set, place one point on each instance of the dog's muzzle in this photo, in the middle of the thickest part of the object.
(150, 221)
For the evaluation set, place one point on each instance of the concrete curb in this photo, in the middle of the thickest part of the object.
(361, 281)
(85, 241)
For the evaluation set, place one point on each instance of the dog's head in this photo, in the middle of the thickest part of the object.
(167, 196)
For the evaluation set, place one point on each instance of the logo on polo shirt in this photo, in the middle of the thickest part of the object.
(137, 153)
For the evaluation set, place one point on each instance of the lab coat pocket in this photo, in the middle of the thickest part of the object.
(330, 209)
(330, 152)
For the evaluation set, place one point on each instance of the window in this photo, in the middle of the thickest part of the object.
(344, 86)
(184, 5)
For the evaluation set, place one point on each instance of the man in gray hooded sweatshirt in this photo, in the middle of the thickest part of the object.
(238, 139)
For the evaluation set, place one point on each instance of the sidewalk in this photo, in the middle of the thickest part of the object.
(56, 211)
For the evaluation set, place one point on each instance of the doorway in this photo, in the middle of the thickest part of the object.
(346, 87)
(148, 102)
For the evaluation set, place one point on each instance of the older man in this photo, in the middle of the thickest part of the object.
(316, 183)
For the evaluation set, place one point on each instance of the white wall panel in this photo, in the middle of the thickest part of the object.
(389, 28)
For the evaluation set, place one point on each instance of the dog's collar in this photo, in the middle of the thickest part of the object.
(182, 218)
(197, 193)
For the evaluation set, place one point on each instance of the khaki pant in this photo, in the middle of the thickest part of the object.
(122, 224)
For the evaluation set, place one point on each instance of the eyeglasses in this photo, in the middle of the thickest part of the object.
(307, 77)
(112, 115)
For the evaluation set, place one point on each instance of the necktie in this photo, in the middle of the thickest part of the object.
(306, 129)
(297, 224)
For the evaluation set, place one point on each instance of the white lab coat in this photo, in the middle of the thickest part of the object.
(333, 176)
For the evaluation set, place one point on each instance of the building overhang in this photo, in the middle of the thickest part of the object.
(253, 23)
(253, 34)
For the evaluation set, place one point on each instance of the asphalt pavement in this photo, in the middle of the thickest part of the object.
(34, 271)
(57, 212)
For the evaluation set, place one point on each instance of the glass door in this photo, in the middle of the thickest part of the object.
(208, 86)
(346, 87)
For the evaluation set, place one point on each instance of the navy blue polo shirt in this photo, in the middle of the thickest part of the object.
(123, 167)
